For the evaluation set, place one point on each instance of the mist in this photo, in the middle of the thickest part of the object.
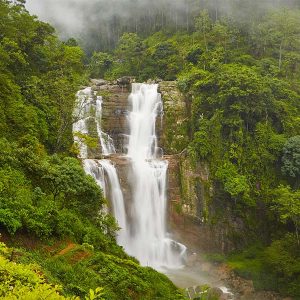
(98, 24)
(74, 16)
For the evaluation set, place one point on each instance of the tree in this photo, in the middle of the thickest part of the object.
(291, 158)
(234, 183)
(203, 25)
(221, 34)
(240, 92)
(100, 63)
(281, 29)
(66, 181)
(194, 55)
(287, 203)
(129, 54)
(166, 61)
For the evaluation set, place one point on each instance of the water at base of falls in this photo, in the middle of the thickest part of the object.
(143, 232)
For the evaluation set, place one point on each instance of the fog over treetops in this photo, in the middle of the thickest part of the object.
(98, 24)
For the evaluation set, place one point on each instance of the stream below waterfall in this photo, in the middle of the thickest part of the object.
(142, 220)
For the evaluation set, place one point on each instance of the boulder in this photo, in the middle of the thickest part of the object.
(124, 81)
(214, 294)
(98, 82)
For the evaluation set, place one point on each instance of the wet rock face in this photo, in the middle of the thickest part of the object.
(174, 136)
(114, 113)
(189, 188)
(125, 81)
(123, 167)
(192, 207)
(98, 82)
(115, 107)
(192, 203)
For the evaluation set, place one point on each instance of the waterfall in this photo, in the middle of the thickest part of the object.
(89, 105)
(148, 240)
(116, 197)
(142, 222)
(105, 174)
(81, 114)
(106, 141)
(94, 168)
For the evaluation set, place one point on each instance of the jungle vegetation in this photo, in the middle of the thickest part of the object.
(240, 78)
(60, 245)
(239, 73)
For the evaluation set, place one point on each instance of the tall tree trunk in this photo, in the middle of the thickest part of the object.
(205, 41)
(187, 17)
(280, 56)
(297, 232)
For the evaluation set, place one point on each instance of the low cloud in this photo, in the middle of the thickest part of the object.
(99, 23)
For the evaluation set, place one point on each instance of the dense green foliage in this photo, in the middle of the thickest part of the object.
(50, 196)
(142, 59)
(38, 77)
(23, 282)
(241, 82)
(238, 66)
(83, 268)
(42, 194)
(245, 124)
(45, 195)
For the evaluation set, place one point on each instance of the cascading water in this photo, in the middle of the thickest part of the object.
(82, 113)
(89, 105)
(148, 239)
(143, 231)
(116, 197)
(142, 219)
(105, 174)
(94, 168)
(106, 141)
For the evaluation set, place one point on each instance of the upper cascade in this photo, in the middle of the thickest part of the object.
(89, 107)
(146, 105)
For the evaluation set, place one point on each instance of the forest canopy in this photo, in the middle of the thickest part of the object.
(51, 212)
(236, 62)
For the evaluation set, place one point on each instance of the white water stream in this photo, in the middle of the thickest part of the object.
(105, 174)
(89, 105)
(143, 232)
(148, 239)
(107, 143)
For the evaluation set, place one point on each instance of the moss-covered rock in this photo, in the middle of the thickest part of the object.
(174, 134)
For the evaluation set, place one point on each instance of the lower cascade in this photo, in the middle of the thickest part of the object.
(105, 174)
(142, 221)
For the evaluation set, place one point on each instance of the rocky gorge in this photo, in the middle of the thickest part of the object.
(189, 187)
(194, 216)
